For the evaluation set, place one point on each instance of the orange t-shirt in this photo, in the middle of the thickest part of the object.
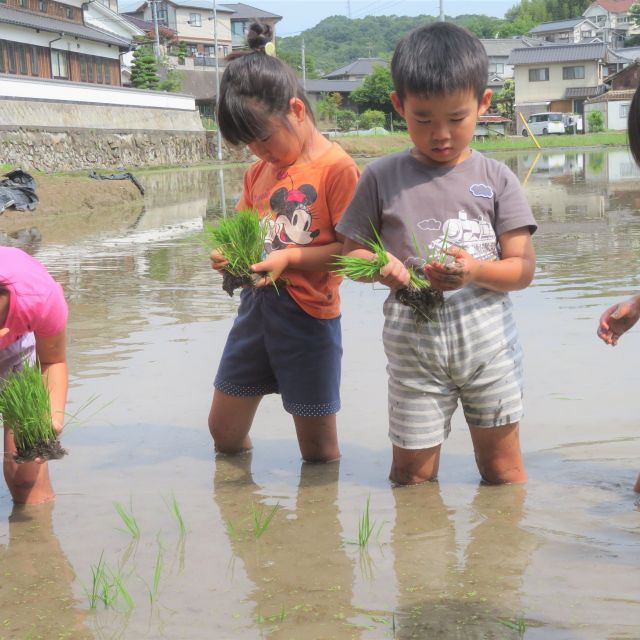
(304, 202)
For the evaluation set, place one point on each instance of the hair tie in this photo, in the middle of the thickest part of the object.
(270, 49)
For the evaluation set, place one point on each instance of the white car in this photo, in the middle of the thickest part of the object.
(544, 123)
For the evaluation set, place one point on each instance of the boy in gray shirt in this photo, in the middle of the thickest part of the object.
(441, 193)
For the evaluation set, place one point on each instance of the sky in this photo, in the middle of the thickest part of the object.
(298, 15)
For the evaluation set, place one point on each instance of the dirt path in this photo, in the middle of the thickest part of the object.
(72, 207)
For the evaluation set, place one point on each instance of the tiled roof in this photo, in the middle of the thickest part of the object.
(584, 92)
(360, 67)
(558, 25)
(561, 53)
(243, 11)
(9, 15)
(615, 6)
(330, 86)
(501, 46)
(199, 4)
(609, 96)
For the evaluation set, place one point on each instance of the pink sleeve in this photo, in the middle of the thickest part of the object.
(51, 313)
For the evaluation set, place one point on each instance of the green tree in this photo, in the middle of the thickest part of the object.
(328, 106)
(172, 83)
(372, 118)
(595, 120)
(634, 14)
(503, 101)
(345, 119)
(182, 52)
(144, 69)
(374, 92)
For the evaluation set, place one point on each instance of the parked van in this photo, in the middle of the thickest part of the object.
(544, 123)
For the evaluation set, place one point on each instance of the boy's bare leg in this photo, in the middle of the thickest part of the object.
(498, 454)
(636, 487)
(413, 466)
(28, 482)
(318, 438)
(230, 419)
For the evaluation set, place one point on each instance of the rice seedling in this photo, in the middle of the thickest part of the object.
(157, 573)
(129, 520)
(519, 625)
(365, 526)
(26, 409)
(240, 239)
(98, 580)
(174, 507)
(107, 586)
(419, 295)
(261, 518)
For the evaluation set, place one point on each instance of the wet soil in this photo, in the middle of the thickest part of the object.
(51, 450)
(68, 205)
(423, 302)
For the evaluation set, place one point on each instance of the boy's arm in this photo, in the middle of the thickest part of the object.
(513, 271)
(394, 275)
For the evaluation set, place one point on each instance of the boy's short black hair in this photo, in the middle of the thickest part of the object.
(633, 126)
(438, 59)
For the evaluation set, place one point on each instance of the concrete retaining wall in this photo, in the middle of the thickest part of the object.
(69, 135)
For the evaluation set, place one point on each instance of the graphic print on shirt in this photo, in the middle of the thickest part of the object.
(292, 218)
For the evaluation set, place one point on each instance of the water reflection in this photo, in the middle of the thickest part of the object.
(36, 598)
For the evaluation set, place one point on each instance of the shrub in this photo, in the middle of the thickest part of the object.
(345, 119)
(372, 118)
(596, 121)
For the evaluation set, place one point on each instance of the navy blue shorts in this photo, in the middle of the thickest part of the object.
(276, 347)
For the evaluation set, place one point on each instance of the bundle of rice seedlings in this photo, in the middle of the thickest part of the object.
(240, 239)
(419, 295)
(26, 409)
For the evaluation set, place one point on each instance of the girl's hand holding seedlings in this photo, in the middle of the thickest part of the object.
(218, 261)
(453, 275)
(618, 319)
(394, 274)
(274, 266)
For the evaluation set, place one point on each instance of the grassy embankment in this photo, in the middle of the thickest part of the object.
(383, 144)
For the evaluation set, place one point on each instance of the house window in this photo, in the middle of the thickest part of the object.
(99, 72)
(22, 59)
(83, 69)
(162, 16)
(573, 73)
(624, 110)
(209, 51)
(11, 57)
(70, 15)
(35, 68)
(195, 19)
(538, 75)
(107, 73)
(239, 28)
(496, 67)
(24, 4)
(193, 50)
(59, 67)
(42, 5)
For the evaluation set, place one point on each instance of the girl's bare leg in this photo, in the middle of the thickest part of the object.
(498, 454)
(230, 419)
(28, 482)
(636, 487)
(318, 438)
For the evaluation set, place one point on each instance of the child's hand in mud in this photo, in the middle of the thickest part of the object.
(218, 261)
(449, 276)
(618, 319)
(394, 274)
(273, 266)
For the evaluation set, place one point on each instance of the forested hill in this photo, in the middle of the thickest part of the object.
(338, 40)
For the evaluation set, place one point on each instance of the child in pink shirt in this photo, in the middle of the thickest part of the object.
(33, 318)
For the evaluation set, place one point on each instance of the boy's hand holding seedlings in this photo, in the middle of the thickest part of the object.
(218, 261)
(618, 319)
(513, 271)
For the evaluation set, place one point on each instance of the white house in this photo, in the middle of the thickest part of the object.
(613, 20)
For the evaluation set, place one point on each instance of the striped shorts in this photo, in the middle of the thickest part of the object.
(469, 351)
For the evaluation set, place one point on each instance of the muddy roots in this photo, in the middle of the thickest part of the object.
(51, 450)
(423, 302)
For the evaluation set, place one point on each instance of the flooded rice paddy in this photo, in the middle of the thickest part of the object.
(269, 546)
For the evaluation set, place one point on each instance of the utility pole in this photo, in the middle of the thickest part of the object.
(441, 10)
(349, 9)
(304, 68)
(215, 45)
(154, 12)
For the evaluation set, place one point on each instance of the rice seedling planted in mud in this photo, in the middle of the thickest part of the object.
(26, 409)
(365, 526)
(240, 239)
(261, 518)
(129, 520)
(174, 507)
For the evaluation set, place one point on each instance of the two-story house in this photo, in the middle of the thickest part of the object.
(193, 24)
(566, 31)
(498, 51)
(561, 77)
(52, 39)
(613, 20)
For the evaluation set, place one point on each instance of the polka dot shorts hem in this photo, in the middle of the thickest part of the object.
(232, 389)
(311, 410)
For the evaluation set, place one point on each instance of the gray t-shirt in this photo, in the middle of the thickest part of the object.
(407, 202)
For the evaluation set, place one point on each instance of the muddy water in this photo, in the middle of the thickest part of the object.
(556, 558)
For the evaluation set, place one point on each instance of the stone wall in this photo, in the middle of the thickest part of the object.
(55, 136)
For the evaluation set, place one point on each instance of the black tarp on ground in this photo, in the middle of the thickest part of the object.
(18, 190)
